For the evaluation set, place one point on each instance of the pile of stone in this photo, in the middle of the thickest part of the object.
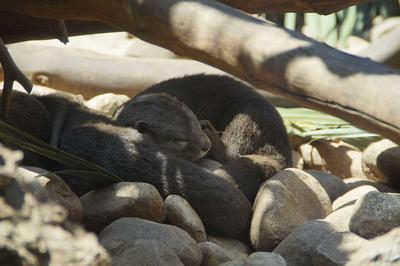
(300, 217)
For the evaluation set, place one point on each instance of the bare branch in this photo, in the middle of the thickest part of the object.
(17, 27)
(278, 6)
(11, 74)
(269, 57)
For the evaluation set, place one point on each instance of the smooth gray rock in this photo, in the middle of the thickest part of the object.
(300, 247)
(234, 263)
(334, 186)
(52, 187)
(107, 103)
(337, 248)
(182, 215)
(337, 157)
(376, 214)
(285, 201)
(382, 250)
(35, 230)
(354, 182)
(125, 199)
(234, 248)
(213, 254)
(341, 217)
(352, 196)
(122, 234)
(145, 253)
(381, 162)
(265, 259)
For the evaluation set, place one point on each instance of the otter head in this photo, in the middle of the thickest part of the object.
(169, 122)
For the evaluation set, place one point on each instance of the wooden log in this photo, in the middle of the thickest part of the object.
(385, 50)
(89, 73)
(271, 58)
(323, 7)
(82, 72)
(17, 27)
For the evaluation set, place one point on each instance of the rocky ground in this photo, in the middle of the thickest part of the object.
(332, 212)
(337, 206)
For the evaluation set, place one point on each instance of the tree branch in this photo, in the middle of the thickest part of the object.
(251, 6)
(83, 72)
(17, 27)
(278, 6)
(11, 74)
(386, 50)
(269, 57)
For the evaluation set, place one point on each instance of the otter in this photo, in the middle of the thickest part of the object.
(250, 138)
(131, 150)
(170, 124)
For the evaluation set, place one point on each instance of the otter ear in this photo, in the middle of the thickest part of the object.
(141, 126)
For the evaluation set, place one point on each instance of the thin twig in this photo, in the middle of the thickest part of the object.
(11, 73)
(60, 30)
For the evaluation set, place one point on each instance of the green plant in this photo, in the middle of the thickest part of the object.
(336, 28)
(316, 125)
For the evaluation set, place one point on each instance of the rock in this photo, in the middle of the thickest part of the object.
(141, 48)
(234, 248)
(352, 196)
(123, 233)
(296, 141)
(383, 28)
(298, 161)
(182, 215)
(341, 217)
(338, 158)
(333, 185)
(355, 45)
(53, 188)
(300, 247)
(265, 259)
(147, 252)
(383, 250)
(284, 202)
(213, 254)
(107, 103)
(337, 248)
(209, 164)
(234, 263)
(357, 182)
(381, 162)
(376, 214)
(125, 199)
(35, 230)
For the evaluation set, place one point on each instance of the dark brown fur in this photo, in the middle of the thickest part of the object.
(247, 122)
(171, 124)
(135, 157)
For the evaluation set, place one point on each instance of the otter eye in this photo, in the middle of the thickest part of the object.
(141, 126)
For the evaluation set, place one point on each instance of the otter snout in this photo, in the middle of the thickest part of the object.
(198, 149)
(205, 146)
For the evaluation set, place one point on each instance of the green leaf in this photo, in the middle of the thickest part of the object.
(316, 125)
(348, 25)
(290, 21)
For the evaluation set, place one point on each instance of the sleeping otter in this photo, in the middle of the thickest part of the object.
(169, 123)
(249, 125)
(129, 151)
